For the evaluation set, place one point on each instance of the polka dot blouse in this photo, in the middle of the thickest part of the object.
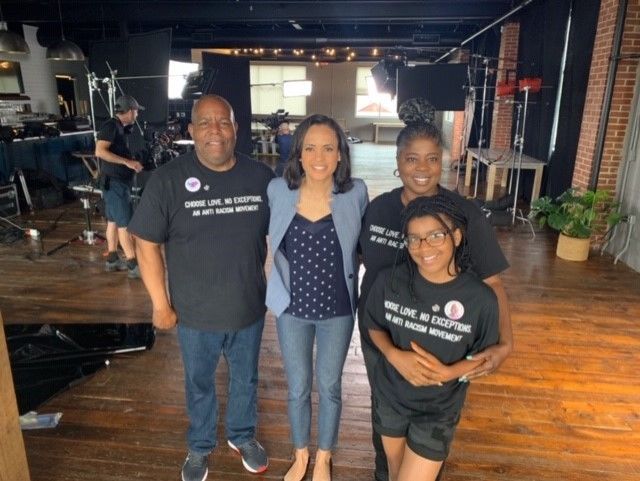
(318, 287)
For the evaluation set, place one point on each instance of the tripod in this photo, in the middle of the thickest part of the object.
(504, 211)
(25, 190)
(88, 235)
(518, 145)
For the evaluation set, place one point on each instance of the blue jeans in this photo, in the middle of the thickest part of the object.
(333, 337)
(200, 354)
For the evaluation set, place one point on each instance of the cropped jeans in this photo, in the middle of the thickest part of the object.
(332, 338)
(201, 352)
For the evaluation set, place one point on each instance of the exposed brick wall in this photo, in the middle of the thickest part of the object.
(621, 101)
(456, 135)
(503, 112)
(461, 56)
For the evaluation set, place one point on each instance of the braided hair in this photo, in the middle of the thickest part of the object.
(441, 208)
(419, 118)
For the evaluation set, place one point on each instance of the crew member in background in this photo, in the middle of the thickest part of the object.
(283, 139)
(117, 171)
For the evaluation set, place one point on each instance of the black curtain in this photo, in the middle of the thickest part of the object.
(540, 46)
(542, 36)
(231, 81)
(584, 21)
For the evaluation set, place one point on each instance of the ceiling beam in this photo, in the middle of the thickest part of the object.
(216, 12)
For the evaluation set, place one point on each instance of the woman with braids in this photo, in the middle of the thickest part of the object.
(419, 167)
(428, 316)
(316, 213)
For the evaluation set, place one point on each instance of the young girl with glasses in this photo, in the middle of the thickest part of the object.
(427, 315)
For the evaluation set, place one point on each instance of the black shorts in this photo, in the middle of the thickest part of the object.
(428, 435)
(117, 201)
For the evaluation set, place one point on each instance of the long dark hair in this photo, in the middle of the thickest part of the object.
(294, 172)
(419, 117)
(450, 217)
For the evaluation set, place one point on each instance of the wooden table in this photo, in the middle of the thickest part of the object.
(496, 159)
(384, 125)
(90, 161)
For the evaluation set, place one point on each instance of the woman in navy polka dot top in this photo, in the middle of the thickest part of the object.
(316, 212)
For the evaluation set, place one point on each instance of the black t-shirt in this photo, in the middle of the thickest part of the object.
(214, 227)
(113, 131)
(381, 238)
(450, 320)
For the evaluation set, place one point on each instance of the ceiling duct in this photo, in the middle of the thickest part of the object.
(202, 36)
(426, 39)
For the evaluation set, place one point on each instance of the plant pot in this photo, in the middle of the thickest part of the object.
(572, 248)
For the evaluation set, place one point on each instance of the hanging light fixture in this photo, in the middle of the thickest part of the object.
(11, 42)
(64, 49)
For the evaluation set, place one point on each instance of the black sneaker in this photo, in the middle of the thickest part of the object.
(254, 457)
(117, 265)
(195, 467)
(134, 273)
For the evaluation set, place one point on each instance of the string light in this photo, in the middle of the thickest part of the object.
(321, 57)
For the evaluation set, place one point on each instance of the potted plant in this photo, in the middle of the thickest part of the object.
(573, 214)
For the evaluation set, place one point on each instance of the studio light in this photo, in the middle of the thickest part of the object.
(64, 49)
(11, 42)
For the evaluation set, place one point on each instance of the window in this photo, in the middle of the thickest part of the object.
(370, 103)
(267, 93)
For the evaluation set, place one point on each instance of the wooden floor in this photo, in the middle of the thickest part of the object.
(565, 405)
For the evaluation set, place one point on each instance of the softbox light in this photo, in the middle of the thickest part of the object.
(198, 83)
(385, 72)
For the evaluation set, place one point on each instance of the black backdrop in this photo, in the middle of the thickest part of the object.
(232, 83)
(443, 85)
(139, 55)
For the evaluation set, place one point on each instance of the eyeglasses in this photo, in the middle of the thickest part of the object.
(434, 239)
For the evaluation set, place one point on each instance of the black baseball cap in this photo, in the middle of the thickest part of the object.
(125, 103)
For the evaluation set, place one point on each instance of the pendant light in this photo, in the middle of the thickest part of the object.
(11, 42)
(64, 49)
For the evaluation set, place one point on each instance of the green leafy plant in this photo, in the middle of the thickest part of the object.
(574, 211)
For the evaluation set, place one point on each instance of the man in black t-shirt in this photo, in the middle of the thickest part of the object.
(209, 209)
(117, 172)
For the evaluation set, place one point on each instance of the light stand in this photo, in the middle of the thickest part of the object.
(25, 190)
(485, 60)
(91, 80)
(115, 86)
(519, 140)
(88, 236)
(468, 115)
(516, 142)
(94, 86)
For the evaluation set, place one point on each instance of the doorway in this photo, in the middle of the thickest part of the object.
(66, 86)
